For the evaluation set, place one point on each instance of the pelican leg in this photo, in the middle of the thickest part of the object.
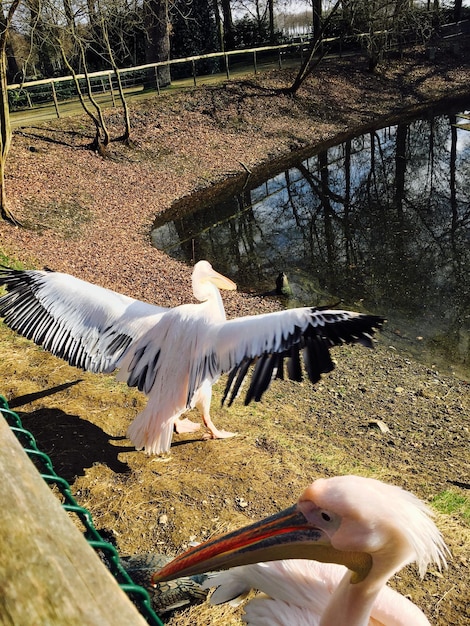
(215, 433)
(202, 400)
(186, 426)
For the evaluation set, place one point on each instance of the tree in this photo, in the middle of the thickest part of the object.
(380, 23)
(127, 124)
(6, 19)
(40, 41)
(194, 31)
(96, 43)
(258, 19)
(158, 34)
(457, 10)
(101, 139)
(317, 18)
(228, 26)
(311, 61)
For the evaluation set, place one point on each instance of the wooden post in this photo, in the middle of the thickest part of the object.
(227, 68)
(56, 102)
(194, 71)
(49, 574)
(254, 62)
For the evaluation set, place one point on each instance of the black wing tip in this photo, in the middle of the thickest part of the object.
(372, 317)
(314, 345)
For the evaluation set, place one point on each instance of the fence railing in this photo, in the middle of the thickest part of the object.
(36, 93)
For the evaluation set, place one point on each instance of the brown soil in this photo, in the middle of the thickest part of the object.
(92, 217)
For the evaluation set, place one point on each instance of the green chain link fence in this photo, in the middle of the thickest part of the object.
(109, 555)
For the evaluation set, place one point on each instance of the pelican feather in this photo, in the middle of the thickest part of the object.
(175, 355)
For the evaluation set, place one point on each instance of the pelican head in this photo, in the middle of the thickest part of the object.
(358, 522)
(205, 278)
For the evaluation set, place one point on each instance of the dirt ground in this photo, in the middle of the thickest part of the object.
(91, 216)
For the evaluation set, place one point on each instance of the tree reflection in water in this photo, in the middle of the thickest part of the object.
(381, 221)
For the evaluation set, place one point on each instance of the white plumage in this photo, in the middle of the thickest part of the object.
(174, 355)
(373, 529)
(297, 592)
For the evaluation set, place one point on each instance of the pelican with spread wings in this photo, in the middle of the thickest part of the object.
(175, 355)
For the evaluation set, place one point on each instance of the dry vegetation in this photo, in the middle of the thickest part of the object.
(94, 216)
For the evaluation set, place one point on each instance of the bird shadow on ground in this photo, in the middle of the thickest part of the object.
(73, 443)
(31, 397)
(184, 442)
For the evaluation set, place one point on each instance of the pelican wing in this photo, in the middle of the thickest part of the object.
(286, 337)
(86, 325)
(299, 592)
(299, 582)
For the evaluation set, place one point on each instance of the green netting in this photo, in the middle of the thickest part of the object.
(138, 595)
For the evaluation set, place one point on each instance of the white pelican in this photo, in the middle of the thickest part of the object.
(174, 355)
(371, 529)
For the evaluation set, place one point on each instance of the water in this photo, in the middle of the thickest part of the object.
(380, 222)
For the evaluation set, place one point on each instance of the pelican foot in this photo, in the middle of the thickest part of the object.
(219, 434)
(186, 426)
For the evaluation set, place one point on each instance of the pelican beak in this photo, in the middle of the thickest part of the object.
(222, 282)
(285, 535)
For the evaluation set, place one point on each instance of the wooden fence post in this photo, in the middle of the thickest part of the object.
(54, 96)
(49, 574)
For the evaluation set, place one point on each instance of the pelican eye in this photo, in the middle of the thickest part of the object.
(325, 516)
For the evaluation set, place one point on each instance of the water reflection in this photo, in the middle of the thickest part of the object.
(381, 221)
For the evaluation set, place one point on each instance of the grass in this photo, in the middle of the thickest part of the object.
(7, 261)
(451, 503)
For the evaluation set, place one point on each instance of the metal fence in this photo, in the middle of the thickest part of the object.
(108, 553)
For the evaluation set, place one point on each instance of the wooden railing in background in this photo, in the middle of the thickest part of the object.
(61, 89)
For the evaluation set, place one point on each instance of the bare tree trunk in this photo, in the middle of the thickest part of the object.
(5, 126)
(229, 35)
(309, 64)
(317, 18)
(69, 15)
(271, 20)
(457, 10)
(219, 25)
(100, 142)
(158, 48)
(5, 136)
(127, 123)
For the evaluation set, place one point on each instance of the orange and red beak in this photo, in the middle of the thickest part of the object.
(285, 535)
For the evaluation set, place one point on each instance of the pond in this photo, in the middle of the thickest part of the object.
(379, 222)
